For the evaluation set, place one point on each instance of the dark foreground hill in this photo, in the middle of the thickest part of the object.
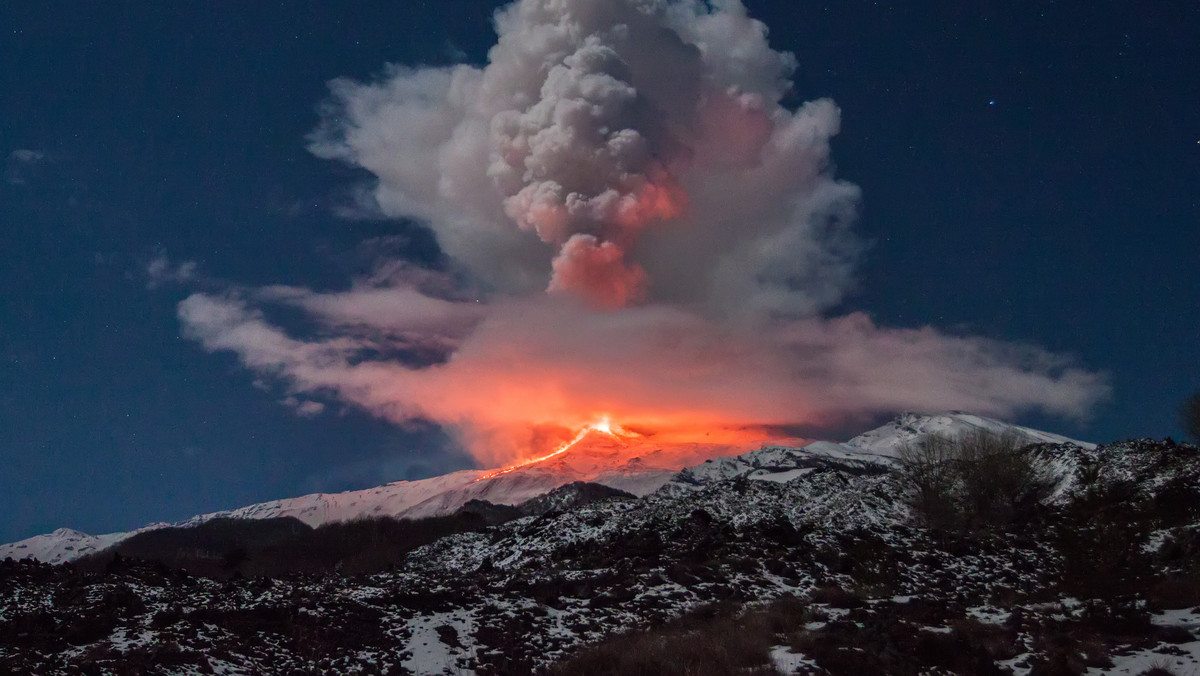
(780, 561)
(225, 548)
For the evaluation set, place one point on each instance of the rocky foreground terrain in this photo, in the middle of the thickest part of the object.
(810, 560)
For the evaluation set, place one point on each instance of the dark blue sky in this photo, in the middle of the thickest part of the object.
(1029, 174)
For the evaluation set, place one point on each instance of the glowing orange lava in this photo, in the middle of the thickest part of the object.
(603, 426)
(604, 445)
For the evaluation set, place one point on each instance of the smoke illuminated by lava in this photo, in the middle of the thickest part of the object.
(602, 427)
(650, 237)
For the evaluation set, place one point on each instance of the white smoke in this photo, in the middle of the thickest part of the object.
(633, 159)
(595, 123)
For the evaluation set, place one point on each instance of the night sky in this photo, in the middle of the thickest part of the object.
(1029, 173)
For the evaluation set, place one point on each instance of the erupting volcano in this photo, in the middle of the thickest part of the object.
(604, 446)
(601, 428)
(635, 224)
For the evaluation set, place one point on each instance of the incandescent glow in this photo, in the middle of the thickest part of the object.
(604, 426)
(642, 162)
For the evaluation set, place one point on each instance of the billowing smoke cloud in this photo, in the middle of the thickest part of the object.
(623, 152)
(537, 362)
(655, 236)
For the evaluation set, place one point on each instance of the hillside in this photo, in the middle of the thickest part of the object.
(628, 463)
(1101, 573)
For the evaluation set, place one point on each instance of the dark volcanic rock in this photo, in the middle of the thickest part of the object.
(1108, 563)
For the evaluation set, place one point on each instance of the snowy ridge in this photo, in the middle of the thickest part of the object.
(824, 484)
(394, 499)
(910, 427)
(830, 526)
(776, 463)
(65, 544)
(602, 460)
(871, 452)
(436, 496)
(839, 492)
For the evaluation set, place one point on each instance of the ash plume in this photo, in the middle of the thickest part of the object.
(654, 235)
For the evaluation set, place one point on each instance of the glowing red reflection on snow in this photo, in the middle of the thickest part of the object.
(606, 443)
(603, 426)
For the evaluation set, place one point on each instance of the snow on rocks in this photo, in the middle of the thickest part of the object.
(829, 523)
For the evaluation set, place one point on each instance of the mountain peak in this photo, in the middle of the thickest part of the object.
(909, 427)
(602, 453)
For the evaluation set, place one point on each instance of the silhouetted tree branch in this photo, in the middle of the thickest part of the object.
(975, 479)
(1189, 417)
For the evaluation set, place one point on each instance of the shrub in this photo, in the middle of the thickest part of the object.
(836, 597)
(223, 548)
(366, 545)
(1159, 667)
(713, 640)
(215, 548)
(1175, 592)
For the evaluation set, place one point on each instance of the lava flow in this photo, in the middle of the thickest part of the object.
(603, 426)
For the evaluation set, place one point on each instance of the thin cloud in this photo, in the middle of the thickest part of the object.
(537, 362)
(21, 165)
(305, 408)
(160, 271)
(26, 155)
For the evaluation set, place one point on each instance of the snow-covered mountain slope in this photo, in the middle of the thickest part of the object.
(627, 462)
(435, 496)
(870, 452)
(776, 463)
(841, 492)
(595, 462)
(394, 499)
(65, 544)
(911, 427)
(1102, 565)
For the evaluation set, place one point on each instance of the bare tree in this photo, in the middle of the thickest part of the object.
(1189, 417)
(978, 478)
(929, 467)
(998, 478)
